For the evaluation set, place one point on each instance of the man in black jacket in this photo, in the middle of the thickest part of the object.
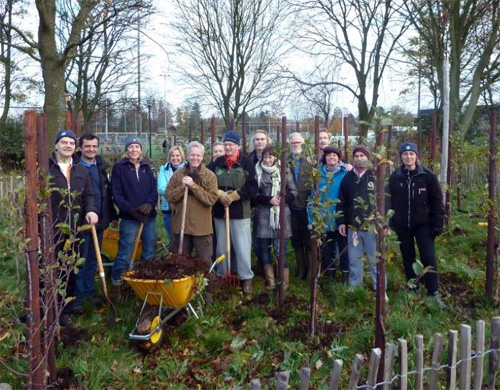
(97, 168)
(417, 201)
(72, 202)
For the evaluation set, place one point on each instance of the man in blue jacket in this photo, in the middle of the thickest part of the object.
(135, 193)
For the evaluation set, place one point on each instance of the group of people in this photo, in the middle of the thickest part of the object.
(244, 192)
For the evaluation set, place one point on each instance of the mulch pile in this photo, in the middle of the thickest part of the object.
(174, 266)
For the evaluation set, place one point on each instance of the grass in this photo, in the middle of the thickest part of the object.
(237, 339)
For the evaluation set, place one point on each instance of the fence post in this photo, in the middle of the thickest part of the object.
(436, 359)
(451, 377)
(465, 354)
(419, 355)
(336, 374)
(403, 364)
(390, 350)
(375, 357)
(305, 374)
(494, 345)
(356, 371)
(478, 372)
(283, 378)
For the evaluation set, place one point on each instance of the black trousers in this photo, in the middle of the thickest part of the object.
(300, 233)
(425, 242)
(335, 241)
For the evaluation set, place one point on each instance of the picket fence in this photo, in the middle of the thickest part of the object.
(452, 374)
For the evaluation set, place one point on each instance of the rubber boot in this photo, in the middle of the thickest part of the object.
(286, 278)
(300, 258)
(332, 275)
(269, 276)
(345, 277)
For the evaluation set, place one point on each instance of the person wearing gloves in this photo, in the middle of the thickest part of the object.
(267, 213)
(72, 201)
(237, 185)
(417, 201)
(175, 161)
(135, 193)
(331, 172)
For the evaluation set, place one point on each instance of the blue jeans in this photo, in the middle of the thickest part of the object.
(167, 221)
(262, 247)
(128, 230)
(241, 238)
(362, 243)
(84, 284)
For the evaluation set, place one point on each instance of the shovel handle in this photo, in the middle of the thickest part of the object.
(228, 242)
(183, 219)
(136, 246)
(100, 267)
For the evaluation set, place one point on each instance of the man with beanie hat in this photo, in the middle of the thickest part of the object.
(72, 202)
(417, 201)
(237, 186)
(135, 192)
(355, 219)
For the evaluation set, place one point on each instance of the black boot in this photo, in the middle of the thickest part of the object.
(345, 277)
(332, 275)
(300, 272)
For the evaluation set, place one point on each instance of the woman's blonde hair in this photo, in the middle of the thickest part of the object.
(179, 149)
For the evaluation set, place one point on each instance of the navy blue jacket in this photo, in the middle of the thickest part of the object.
(130, 191)
(416, 199)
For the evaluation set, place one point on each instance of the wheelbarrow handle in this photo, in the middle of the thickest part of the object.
(217, 261)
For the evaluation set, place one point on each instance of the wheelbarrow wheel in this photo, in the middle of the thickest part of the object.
(156, 339)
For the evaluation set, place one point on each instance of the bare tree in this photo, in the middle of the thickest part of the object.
(232, 49)
(468, 32)
(105, 63)
(362, 35)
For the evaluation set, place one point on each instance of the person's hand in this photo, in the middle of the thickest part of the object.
(234, 196)
(348, 167)
(224, 198)
(91, 218)
(145, 208)
(275, 200)
(114, 223)
(342, 230)
(137, 215)
(188, 181)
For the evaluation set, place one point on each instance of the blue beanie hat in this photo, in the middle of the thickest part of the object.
(408, 147)
(132, 140)
(65, 133)
(232, 136)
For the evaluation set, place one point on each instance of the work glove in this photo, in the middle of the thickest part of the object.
(224, 198)
(234, 196)
(145, 208)
(195, 176)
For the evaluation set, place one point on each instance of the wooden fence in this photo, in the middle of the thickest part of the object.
(451, 374)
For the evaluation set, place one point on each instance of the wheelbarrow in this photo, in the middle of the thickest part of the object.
(167, 297)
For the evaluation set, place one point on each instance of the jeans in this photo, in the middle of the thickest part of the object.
(263, 248)
(84, 284)
(362, 243)
(425, 242)
(241, 238)
(128, 230)
(167, 221)
(333, 241)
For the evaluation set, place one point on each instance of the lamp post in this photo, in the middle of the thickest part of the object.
(150, 105)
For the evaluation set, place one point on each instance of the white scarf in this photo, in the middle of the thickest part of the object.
(274, 173)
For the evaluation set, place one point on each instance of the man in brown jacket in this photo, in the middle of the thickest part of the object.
(202, 194)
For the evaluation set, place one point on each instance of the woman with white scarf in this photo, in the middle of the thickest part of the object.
(267, 213)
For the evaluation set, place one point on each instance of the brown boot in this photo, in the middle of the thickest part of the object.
(301, 264)
(118, 296)
(286, 278)
(246, 286)
(269, 276)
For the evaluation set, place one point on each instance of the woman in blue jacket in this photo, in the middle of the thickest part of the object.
(332, 170)
(176, 160)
